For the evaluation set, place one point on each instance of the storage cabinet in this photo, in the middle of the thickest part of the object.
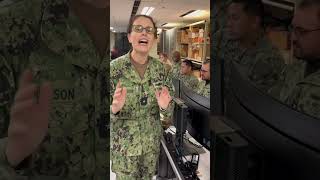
(194, 41)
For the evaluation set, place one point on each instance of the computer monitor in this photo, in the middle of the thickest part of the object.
(289, 139)
(176, 85)
(180, 117)
(199, 109)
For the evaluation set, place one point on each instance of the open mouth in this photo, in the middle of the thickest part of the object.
(143, 42)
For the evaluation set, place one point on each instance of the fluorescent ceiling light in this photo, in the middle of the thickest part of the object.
(196, 23)
(147, 10)
(159, 30)
(150, 11)
(111, 28)
(171, 24)
(194, 13)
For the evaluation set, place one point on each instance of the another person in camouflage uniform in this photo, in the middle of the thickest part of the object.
(176, 59)
(140, 92)
(166, 62)
(301, 80)
(244, 43)
(204, 85)
(50, 38)
(186, 75)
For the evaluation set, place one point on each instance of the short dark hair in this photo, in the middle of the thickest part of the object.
(176, 56)
(206, 61)
(188, 63)
(132, 19)
(253, 8)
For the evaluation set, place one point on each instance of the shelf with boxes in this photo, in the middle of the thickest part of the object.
(194, 41)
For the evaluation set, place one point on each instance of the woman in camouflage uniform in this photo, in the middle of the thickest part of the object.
(140, 89)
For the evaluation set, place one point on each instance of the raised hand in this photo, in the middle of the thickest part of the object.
(163, 97)
(119, 98)
(29, 117)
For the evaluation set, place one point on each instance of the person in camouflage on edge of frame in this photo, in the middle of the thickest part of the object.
(186, 76)
(51, 39)
(176, 61)
(301, 80)
(204, 85)
(243, 42)
(141, 90)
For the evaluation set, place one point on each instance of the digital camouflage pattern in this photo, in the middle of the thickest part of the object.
(204, 89)
(262, 64)
(135, 167)
(17, 38)
(190, 81)
(299, 91)
(47, 37)
(175, 70)
(136, 130)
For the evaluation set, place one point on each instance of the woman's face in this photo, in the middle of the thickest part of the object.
(142, 35)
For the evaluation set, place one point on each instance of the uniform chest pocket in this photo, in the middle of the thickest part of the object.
(70, 107)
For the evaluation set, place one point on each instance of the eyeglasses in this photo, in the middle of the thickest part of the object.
(140, 28)
(299, 31)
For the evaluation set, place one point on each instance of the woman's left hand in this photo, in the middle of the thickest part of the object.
(163, 97)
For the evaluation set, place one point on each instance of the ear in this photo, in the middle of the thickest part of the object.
(129, 38)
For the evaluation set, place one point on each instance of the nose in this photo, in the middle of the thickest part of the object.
(144, 32)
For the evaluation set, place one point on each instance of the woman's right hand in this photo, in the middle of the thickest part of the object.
(119, 98)
(29, 119)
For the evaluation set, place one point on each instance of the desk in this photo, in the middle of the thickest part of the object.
(204, 163)
(204, 159)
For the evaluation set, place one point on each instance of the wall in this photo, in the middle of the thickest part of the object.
(168, 41)
(112, 40)
(153, 51)
(122, 43)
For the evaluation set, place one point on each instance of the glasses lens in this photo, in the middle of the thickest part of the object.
(150, 30)
(137, 28)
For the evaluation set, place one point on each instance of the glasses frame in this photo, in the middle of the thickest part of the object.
(143, 28)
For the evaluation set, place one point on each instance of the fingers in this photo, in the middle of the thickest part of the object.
(124, 91)
(118, 101)
(26, 93)
(163, 92)
(117, 91)
(25, 79)
(165, 89)
(118, 85)
(18, 129)
(157, 93)
(22, 106)
(45, 96)
(120, 92)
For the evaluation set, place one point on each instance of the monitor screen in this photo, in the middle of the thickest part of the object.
(290, 139)
(199, 109)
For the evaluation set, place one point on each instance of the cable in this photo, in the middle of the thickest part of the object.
(188, 168)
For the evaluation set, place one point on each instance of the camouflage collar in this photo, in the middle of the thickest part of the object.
(128, 65)
(75, 37)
